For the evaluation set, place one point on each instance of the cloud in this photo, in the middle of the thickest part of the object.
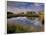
(23, 7)
(38, 4)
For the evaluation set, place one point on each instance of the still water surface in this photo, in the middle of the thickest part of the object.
(25, 20)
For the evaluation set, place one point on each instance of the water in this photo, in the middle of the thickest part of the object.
(25, 21)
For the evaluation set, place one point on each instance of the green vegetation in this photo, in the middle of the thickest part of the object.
(28, 14)
(18, 28)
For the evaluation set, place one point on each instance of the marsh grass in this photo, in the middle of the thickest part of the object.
(19, 28)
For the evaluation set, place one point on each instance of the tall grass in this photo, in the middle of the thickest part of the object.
(18, 28)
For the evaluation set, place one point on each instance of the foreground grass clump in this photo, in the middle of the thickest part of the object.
(11, 28)
(18, 28)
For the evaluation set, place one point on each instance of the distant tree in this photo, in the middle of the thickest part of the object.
(31, 12)
(9, 13)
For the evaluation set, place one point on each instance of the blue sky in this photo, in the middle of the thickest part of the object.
(24, 6)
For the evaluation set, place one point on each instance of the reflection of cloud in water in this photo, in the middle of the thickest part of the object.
(24, 20)
(36, 22)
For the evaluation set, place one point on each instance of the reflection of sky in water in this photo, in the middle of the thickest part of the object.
(24, 20)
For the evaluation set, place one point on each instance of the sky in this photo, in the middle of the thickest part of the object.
(17, 7)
